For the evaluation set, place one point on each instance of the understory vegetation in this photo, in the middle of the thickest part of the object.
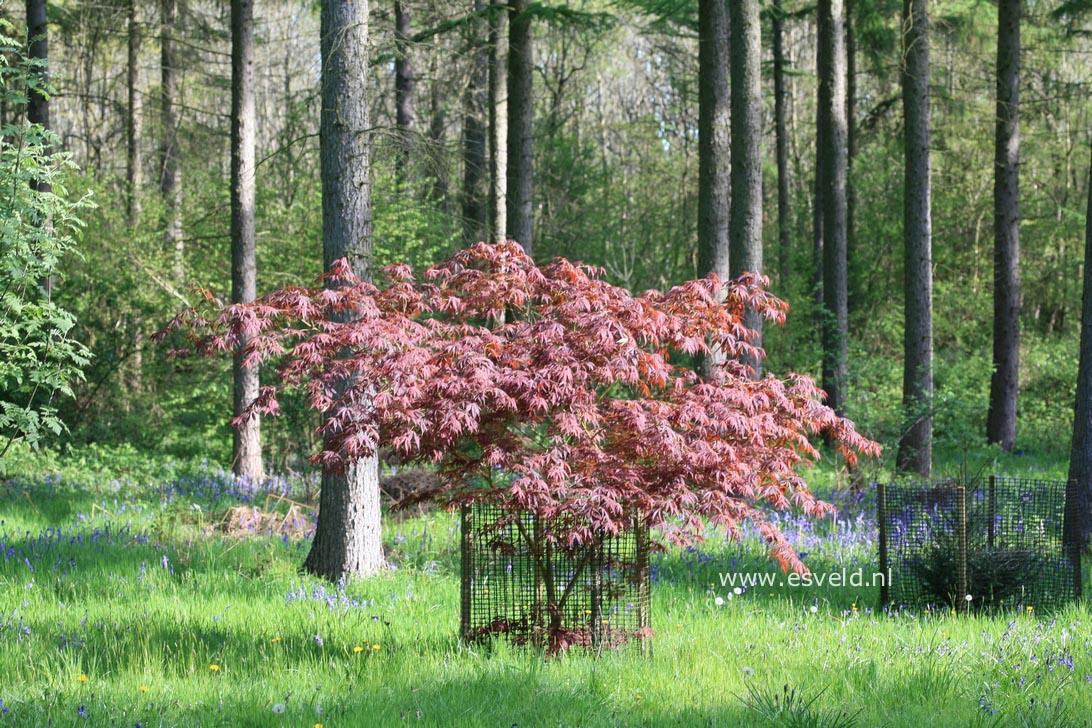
(130, 596)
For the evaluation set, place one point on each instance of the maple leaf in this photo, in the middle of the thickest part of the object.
(570, 406)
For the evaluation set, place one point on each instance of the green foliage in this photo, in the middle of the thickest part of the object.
(39, 357)
(789, 708)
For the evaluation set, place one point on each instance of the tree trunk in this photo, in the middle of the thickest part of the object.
(852, 294)
(437, 138)
(348, 536)
(134, 167)
(498, 122)
(832, 176)
(170, 183)
(247, 443)
(405, 116)
(714, 148)
(916, 445)
(1004, 384)
(1079, 518)
(475, 223)
(782, 142)
(520, 126)
(745, 213)
(713, 138)
(38, 100)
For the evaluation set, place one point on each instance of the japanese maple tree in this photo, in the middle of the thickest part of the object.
(545, 389)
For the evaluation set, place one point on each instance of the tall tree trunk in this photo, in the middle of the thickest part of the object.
(498, 121)
(247, 443)
(38, 50)
(819, 202)
(713, 138)
(404, 81)
(134, 167)
(475, 176)
(714, 148)
(916, 445)
(348, 536)
(832, 186)
(520, 126)
(1078, 525)
(1004, 384)
(745, 213)
(437, 138)
(38, 99)
(851, 147)
(170, 183)
(784, 246)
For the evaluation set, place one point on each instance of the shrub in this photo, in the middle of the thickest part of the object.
(546, 390)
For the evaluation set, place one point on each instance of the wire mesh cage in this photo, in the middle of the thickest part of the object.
(993, 544)
(520, 583)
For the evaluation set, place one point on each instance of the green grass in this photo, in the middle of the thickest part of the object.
(133, 587)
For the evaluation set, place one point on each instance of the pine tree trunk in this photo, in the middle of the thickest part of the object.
(405, 116)
(832, 176)
(851, 150)
(437, 140)
(520, 126)
(348, 536)
(247, 443)
(1078, 525)
(498, 122)
(134, 167)
(745, 213)
(38, 50)
(713, 138)
(714, 149)
(784, 246)
(916, 445)
(170, 183)
(475, 222)
(1004, 384)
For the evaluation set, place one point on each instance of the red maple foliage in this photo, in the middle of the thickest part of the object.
(546, 389)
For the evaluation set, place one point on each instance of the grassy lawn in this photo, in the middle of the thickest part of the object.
(123, 604)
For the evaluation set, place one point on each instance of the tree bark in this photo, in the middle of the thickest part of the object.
(832, 191)
(170, 183)
(520, 126)
(713, 138)
(348, 536)
(134, 162)
(475, 176)
(714, 149)
(38, 99)
(745, 211)
(247, 443)
(1004, 384)
(916, 446)
(851, 149)
(1078, 525)
(498, 121)
(784, 246)
(404, 81)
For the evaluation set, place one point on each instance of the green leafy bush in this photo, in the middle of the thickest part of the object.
(38, 356)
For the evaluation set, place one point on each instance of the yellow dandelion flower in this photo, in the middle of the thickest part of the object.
(1031, 609)
(358, 648)
(82, 678)
(637, 697)
(143, 688)
(214, 668)
(275, 639)
(375, 647)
